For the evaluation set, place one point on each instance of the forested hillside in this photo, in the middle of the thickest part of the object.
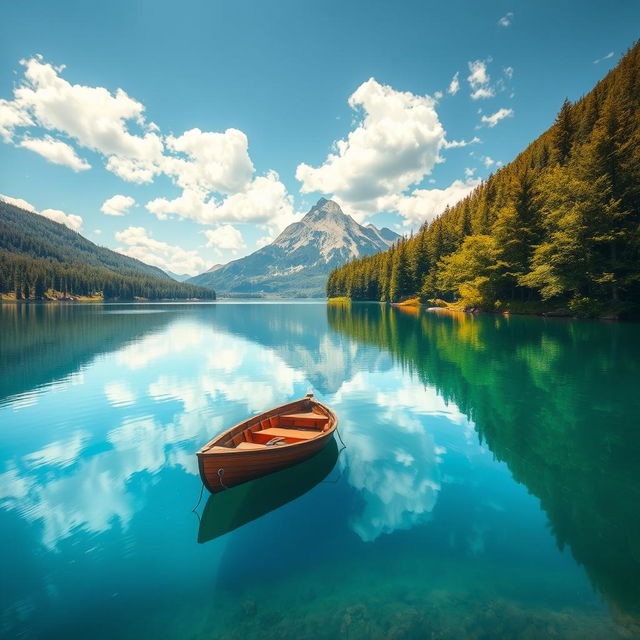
(560, 225)
(38, 255)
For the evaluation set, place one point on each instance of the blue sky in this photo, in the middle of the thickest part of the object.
(190, 133)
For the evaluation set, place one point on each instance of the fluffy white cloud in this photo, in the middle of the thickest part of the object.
(506, 19)
(483, 92)
(19, 202)
(190, 204)
(395, 145)
(12, 116)
(131, 170)
(479, 79)
(219, 163)
(265, 201)
(478, 75)
(213, 169)
(56, 151)
(216, 161)
(494, 118)
(143, 247)
(454, 85)
(117, 205)
(426, 204)
(93, 116)
(225, 237)
(68, 220)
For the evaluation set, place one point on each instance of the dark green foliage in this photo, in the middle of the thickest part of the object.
(562, 134)
(559, 225)
(37, 254)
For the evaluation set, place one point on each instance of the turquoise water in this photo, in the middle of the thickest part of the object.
(489, 487)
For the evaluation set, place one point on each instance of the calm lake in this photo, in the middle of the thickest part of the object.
(490, 485)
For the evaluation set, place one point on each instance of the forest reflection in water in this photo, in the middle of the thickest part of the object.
(557, 401)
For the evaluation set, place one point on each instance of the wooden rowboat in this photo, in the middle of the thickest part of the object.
(265, 443)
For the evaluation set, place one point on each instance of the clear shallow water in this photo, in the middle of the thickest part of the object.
(489, 488)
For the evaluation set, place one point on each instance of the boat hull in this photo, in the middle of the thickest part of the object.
(229, 460)
(222, 471)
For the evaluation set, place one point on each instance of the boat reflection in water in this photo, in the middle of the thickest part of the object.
(247, 502)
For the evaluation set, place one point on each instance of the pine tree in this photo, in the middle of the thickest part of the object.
(562, 134)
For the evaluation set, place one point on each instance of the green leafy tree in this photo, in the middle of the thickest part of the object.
(470, 272)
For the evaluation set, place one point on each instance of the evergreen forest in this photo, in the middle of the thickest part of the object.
(557, 228)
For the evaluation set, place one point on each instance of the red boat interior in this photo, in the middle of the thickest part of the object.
(279, 430)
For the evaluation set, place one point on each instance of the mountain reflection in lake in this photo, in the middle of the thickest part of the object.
(488, 487)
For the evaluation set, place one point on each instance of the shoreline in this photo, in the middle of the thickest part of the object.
(414, 305)
(94, 300)
(411, 305)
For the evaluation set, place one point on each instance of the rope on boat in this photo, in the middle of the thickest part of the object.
(199, 499)
(220, 474)
(339, 476)
(344, 446)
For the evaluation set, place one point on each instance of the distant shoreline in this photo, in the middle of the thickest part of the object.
(31, 301)
(93, 300)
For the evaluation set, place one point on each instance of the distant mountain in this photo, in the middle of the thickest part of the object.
(386, 234)
(38, 254)
(178, 277)
(299, 260)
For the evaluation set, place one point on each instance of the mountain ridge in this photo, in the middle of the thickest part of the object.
(299, 260)
(38, 254)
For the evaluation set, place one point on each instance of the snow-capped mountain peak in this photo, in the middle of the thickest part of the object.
(299, 260)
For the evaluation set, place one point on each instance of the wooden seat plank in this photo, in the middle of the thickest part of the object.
(298, 434)
(305, 416)
(251, 445)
